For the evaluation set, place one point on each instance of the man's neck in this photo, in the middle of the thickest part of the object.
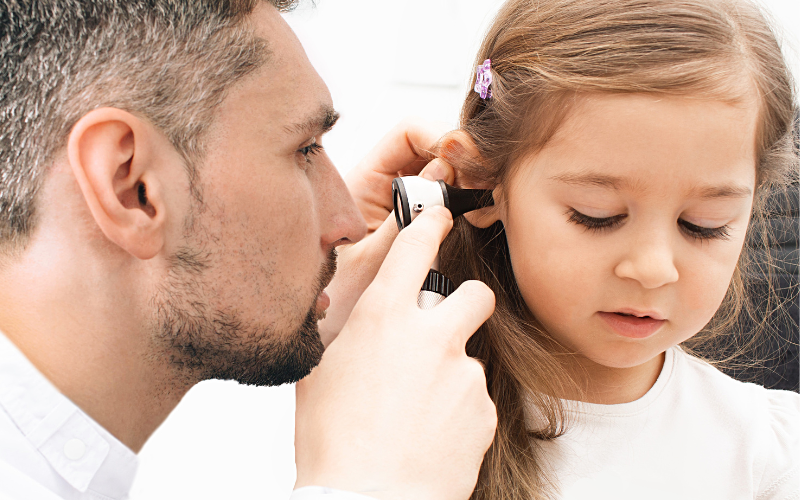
(89, 342)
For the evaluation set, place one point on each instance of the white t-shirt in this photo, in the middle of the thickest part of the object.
(697, 434)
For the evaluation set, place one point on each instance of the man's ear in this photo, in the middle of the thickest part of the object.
(114, 156)
(458, 149)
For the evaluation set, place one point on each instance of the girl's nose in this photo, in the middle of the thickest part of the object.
(650, 261)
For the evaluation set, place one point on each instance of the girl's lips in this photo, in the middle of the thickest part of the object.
(632, 326)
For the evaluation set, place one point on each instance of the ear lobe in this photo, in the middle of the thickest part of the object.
(485, 217)
(109, 153)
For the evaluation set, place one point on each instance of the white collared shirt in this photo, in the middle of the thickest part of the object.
(51, 450)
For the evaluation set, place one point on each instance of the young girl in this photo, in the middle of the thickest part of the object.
(630, 145)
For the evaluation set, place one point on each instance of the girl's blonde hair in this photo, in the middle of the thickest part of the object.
(543, 54)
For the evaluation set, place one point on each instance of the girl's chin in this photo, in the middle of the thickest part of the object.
(623, 357)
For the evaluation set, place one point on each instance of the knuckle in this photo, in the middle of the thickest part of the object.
(478, 293)
(490, 423)
(481, 363)
(476, 372)
(488, 413)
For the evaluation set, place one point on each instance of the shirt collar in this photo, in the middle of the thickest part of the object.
(81, 451)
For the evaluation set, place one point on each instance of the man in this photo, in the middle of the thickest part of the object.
(169, 216)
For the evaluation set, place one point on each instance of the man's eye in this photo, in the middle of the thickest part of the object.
(705, 233)
(310, 150)
(595, 223)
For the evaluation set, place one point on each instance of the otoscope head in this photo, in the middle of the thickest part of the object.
(412, 195)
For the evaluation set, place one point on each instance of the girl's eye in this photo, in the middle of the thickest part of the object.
(595, 223)
(692, 230)
(704, 233)
(310, 150)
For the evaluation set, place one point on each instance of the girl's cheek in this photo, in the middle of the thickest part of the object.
(550, 267)
(705, 280)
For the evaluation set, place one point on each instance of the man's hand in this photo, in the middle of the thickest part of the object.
(404, 151)
(396, 409)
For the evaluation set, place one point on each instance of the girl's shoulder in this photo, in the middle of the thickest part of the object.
(764, 422)
(748, 400)
(697, 434)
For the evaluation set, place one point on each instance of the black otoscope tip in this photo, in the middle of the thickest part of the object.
(460, 201)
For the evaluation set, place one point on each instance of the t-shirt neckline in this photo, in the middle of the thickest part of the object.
(633, 407)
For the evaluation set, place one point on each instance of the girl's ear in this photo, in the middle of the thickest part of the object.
(485, 217)
(458, 149)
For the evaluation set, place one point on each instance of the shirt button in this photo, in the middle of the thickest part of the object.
(74, 449)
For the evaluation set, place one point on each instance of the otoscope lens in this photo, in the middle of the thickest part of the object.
(401, 209)
(398, 205)
(398, 208)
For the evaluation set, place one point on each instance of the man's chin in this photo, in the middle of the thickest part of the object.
(285, 363)
(228, 349)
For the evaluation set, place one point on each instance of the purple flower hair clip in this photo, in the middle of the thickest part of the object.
(484, 80)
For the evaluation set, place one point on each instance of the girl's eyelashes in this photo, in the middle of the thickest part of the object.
(310, 150)
(705, 233)
(606, 223)
(595, 223)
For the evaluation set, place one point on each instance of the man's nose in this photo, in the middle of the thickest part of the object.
(342, 222)
(650, 260)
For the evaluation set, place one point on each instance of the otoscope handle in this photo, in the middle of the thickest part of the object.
(436, 288)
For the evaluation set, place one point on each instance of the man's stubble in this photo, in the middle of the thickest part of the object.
(201, 341)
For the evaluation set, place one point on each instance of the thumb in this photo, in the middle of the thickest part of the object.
(381, 240)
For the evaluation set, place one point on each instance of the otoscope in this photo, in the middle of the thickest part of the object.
(412, 195)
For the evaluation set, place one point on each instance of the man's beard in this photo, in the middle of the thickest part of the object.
(205, 343)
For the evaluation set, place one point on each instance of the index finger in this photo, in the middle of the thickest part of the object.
(408, 143)
(405, 150)
(407, 264)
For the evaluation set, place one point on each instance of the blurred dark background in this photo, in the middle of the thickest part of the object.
(774, 363)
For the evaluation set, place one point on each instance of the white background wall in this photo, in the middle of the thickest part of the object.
(383, 60)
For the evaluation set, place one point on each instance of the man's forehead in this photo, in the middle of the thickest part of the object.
(268, 24)
(286, 88)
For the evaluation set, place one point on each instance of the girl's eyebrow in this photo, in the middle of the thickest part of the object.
(617, 183)
(726, 191)
(592, 179)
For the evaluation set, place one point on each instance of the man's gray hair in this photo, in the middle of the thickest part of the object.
(169, 61)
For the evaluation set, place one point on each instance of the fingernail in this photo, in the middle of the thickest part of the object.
(433, 172)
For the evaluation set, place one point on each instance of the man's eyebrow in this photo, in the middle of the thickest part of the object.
(616, 183)
(319, 123)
